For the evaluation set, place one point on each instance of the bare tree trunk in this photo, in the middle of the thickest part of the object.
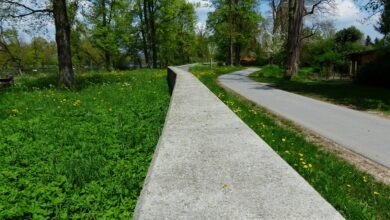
(66, 77)
(296, 14)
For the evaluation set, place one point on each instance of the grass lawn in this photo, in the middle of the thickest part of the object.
(337, 91)
(354, 194)
(80, 154)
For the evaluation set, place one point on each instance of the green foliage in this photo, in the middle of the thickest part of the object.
(176, 32)
(80, 154)
(353, 193)
(384, 21)
(347, 35)
(329, 56)
(234, 25)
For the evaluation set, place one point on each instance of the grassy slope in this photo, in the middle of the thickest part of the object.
(354, 194)
(79, 154)
(337, 91)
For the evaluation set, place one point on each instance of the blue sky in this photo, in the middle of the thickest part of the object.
(344, 14)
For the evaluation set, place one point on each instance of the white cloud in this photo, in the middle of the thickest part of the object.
(347, 13)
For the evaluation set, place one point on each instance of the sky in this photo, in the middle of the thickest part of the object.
(345, 14)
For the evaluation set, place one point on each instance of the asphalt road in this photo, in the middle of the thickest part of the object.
(363, 133)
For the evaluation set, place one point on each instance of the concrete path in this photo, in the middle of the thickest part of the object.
(209, 164)
(363, 133)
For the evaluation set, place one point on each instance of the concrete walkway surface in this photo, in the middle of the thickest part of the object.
(363, 133)
(210, 165)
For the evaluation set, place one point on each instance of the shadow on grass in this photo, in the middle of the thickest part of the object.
(338, 91)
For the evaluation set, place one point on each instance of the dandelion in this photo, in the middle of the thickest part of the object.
(365, 179)
(15, 110)
(225, 185)
(77, 102)
(310, 165)
(305, 166)
(287, 152)
(303, 162)
(348, 185)
(283, 139)
(301, 158)
(376, 193)
(300, 154)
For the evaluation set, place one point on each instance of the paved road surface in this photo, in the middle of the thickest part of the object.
(363, 133)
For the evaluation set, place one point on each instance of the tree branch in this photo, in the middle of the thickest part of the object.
(30, 11)
(313, 7)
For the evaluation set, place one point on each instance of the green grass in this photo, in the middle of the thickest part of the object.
(343, 92)
(80, 154)
(353, 193)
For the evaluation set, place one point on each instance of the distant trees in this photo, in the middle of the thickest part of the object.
(368, 41)
(327, 54)
(10, 49)
(234, 24)
(114, 33)
(57, 9)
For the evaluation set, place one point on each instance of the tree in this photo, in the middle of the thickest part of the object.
(347, 35)
(368, 41)
(13, 9)
(110, 20)
(10, 48)
(176, 32)
(376, 41)
(384, 21)
(234, 24)
(297, 11)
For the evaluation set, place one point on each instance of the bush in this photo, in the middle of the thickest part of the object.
(376, 73)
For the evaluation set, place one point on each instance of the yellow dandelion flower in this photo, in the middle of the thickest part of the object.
(287, 152)
(15, 110)
(77, 102)
(225, 186)
(301, 158)
(348, 185)
(310, 165)
(305, 166)
(303, 162)
(300, 154)
(376, 193)
(284, 139)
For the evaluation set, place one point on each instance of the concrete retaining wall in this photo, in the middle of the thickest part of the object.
(210, 165)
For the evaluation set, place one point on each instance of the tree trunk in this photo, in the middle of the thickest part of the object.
(296, 14)
(153, 39)
(143, 19)
(237, 54)
(66, 77)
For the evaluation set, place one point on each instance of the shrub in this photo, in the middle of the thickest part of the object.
(376, 72)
